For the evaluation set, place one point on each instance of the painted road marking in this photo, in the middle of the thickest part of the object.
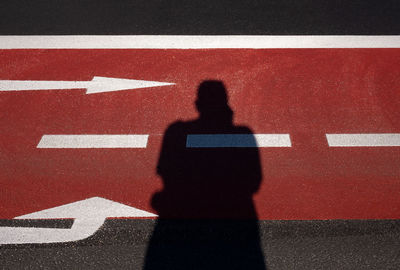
(237, 140)
(363, 140)
(271, 108)
(96, 85)
(196, 42)
(89, 216)
(93, 141)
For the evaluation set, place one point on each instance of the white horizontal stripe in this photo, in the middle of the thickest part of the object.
(93, 141)
(359, 140)
(195, 42)
(237, 140)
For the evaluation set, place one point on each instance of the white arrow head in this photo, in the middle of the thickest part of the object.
(104, 84)
(92, 208)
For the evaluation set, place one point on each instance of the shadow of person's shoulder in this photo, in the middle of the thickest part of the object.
(242, 130)
(182, 127)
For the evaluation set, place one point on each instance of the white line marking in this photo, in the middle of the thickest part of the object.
(89, 215)
(237, 140)
(196, 42)
(93, 141)
(96, 85)
(363, 140)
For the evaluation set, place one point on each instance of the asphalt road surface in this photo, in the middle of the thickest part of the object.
(286, 245)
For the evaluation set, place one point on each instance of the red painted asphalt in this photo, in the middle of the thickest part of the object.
(304, 92)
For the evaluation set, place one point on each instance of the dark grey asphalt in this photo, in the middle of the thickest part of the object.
(122, 244)
(199, 17)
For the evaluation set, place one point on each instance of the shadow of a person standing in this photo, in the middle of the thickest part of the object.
(210, 170)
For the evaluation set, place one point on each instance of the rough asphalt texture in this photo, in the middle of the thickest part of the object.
(122, 244)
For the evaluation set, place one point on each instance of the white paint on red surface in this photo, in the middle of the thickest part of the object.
(89, 215)
(196, 42)
(363, 140)
(306, 93)
(93, 141)
(96, 85)
(237, 140)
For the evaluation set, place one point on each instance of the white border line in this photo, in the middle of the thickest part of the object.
(195, 42)
(93, 141)
(363, 140)
(237, 140)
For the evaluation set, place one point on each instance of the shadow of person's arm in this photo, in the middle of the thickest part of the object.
(169, 166)
(253, 171)
(171, 154)
(257, 171)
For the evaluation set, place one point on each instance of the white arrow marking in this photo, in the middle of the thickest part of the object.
(96, 85)
(89, 216)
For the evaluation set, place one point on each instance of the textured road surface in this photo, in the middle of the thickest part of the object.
(122, 244)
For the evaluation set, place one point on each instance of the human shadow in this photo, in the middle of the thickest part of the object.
(210, 170)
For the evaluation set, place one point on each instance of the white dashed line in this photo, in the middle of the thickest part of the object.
(237, 140)
(216, 140)
(363, 140)
(93, 141)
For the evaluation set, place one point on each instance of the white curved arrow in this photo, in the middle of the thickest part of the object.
(96, 85)
(89, 215)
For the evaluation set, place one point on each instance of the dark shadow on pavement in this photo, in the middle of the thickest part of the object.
(207, 218)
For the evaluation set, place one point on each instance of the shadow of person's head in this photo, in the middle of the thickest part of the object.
(212, 103)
